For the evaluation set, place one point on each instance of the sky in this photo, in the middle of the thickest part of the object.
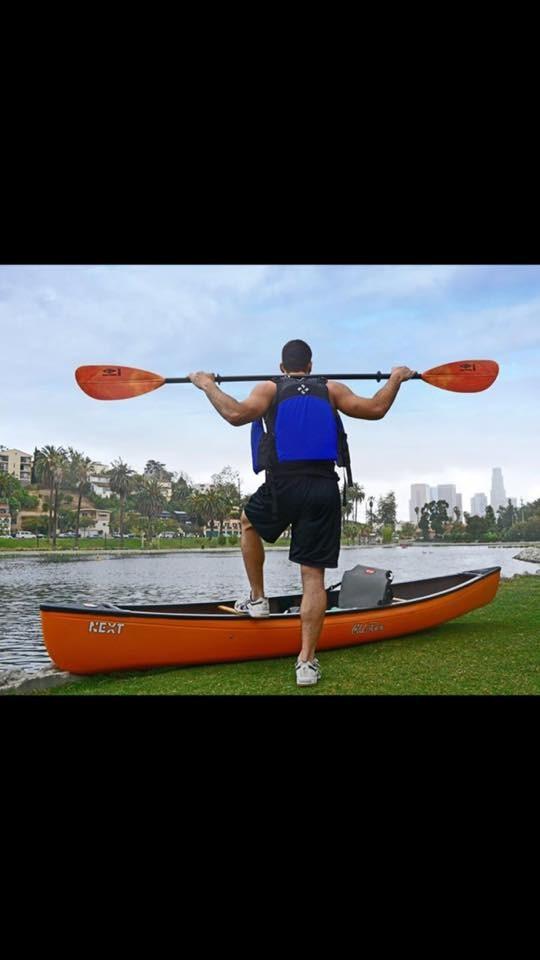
(234, 319)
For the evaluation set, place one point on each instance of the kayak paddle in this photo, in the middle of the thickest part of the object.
(119, 383)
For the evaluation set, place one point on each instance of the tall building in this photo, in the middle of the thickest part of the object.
(498, 493)
(459, 505)
(433, 495)
(478, 505)
(16, 462)
(447, 491)
(420, 494)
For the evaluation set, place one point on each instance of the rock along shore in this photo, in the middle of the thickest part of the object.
(24, 681)
(530, 554)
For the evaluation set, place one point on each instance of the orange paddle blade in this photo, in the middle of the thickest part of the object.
(116, 383)
(463, 376)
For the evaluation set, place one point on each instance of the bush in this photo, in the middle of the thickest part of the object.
(233, 541)
(387, 534)
(222, 540)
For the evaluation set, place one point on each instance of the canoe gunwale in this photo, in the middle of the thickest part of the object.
(111, 610)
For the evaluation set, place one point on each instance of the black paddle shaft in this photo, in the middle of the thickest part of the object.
(272, 376)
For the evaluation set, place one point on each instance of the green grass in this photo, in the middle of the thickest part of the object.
(494, 650)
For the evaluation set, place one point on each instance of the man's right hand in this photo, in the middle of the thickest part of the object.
(404, 373)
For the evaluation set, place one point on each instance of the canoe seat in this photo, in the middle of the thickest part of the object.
(365, 586)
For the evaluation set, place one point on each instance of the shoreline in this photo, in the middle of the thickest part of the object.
(163, 551)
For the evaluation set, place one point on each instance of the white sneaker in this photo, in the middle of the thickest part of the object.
(255, 608)
(308, 672)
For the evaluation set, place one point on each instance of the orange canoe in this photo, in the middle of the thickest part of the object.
(103, 637)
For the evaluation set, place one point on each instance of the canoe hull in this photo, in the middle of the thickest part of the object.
(96, 640)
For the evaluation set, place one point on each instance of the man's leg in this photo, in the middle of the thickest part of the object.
(312, 609)
(253, 554)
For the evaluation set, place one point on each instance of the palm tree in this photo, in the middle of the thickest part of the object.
(50, 469)
(121, 482)
(210, 506)
(150, 500)
(417, 512)
(371, 501)
(357, 496)
(80, 468)
(223, 507)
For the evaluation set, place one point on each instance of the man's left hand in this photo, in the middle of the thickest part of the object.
(202, 380)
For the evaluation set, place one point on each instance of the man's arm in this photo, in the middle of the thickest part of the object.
(369, 408)
(234, 411)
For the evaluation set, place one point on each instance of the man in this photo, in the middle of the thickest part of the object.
(299, 451)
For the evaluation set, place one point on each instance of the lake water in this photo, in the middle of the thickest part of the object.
(25, 582)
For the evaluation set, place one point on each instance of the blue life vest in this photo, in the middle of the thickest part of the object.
(302, 432)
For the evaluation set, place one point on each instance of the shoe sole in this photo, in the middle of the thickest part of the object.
(308, 683)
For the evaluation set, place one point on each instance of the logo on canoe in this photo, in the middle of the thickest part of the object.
(367, 628)
(105, 626)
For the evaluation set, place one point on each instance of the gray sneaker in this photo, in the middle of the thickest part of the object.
(308, 672)
(255, 608)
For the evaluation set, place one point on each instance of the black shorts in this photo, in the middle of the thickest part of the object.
(312, 506)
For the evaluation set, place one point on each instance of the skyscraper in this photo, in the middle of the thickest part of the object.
(447, 491)
(419, 496)
(498, 493)
(478, 505)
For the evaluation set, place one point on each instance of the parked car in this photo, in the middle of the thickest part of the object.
(24, 535)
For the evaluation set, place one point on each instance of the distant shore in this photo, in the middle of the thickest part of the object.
(163, 551)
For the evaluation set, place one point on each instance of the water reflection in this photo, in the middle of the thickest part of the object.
(25, 582)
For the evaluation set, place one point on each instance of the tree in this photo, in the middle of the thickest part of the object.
(121, 481)
(417, 512)
(149, 501)
(157, 470)
(407, 531)
(228, 483)
(387, 510)
(347, 507)
(357, 496)
(491, 519)
(424, 521)
(33, 475)
(208, 507)
(50, 469)
(476, 526)
(80, 471)
(35, 525)
(371, 501)
(438, 515)
(507, 516)
(182, 489)
(457, 512)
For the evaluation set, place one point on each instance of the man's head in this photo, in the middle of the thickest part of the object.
(296, 357)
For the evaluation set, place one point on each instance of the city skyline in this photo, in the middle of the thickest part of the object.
(234, 319)
(478, 502)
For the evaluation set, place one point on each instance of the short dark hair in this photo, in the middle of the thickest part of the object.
(296, 355)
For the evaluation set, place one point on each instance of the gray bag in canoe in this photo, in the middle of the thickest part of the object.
(365, 586)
